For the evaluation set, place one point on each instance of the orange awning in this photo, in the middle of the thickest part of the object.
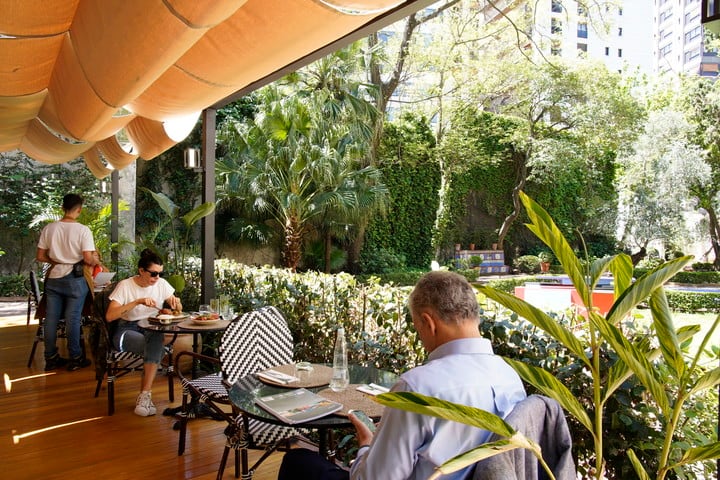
(74, 73)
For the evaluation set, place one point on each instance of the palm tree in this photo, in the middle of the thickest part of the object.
(296, 164)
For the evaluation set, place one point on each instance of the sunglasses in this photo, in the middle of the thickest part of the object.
(153, 274)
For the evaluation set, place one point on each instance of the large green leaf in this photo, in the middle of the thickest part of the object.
(198, 212)
(167, 205)
(553, 388)
(435, 407)
(700, 454)
(709, 380)
(543, 226)
(487, 450)
(538, 318)
(620, 372)
(634, 358)
(705, 341)
(643, 287)
(639, 469)
(665, 330)
(621, 268)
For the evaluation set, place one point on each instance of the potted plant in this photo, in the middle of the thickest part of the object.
(476, 261)
(546, 259)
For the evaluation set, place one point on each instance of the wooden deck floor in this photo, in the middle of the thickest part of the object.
(62, 431)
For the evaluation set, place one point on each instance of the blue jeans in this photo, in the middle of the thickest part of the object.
(65, 299)
(129, 338)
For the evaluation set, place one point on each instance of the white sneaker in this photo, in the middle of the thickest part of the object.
(144, 405)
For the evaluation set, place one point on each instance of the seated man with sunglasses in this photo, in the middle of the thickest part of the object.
(136, 298)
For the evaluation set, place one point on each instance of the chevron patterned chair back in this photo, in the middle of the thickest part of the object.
(253, 342)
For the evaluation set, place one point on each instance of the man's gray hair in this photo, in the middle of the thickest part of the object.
(449, 294)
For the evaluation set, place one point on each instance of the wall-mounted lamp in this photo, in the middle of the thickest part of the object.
(192, 159)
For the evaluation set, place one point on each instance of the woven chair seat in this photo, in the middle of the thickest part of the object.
(210, 386)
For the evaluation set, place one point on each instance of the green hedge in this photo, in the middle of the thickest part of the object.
(693, 278)
(12, 286)
(374, 315)
(691, 302)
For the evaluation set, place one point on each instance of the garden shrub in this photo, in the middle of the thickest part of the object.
(12, 286)
(703, 267)
(691, 302)
(380, 260)
(527, 264)
(405, 278)
(375, 317)
(508, 285)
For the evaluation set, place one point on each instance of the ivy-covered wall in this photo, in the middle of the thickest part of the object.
(413, 179)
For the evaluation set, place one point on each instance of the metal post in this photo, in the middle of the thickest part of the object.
(207, 272)
(114, 217)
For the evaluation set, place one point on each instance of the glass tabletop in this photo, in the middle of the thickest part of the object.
(244, 392)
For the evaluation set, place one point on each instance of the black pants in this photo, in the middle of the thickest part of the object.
(304, 464)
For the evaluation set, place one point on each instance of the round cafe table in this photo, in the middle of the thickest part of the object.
(245, 391)
(184, 327)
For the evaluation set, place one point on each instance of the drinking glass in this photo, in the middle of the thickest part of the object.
(204, 309)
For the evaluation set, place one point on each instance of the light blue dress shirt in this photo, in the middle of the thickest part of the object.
(408, 445)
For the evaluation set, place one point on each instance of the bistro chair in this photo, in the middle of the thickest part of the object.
(33, 289)
(253, 342)
(35, 298)
(109, 362)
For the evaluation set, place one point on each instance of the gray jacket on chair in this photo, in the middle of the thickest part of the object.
(542, 420)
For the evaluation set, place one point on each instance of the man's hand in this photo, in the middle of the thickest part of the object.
(364, 435)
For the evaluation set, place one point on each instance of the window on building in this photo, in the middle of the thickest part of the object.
(556, 6)
(620, 11)
(665, 15)
(582, 47)
(582, 31)
(693, 34)
(607, 51)
(620, 52)
(619, 31)
(691, 55)
(555, 26)
(691, 18)
(581, 11)
(664, 51)
(555, 48)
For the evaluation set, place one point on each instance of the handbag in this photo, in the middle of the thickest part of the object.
(78, 269)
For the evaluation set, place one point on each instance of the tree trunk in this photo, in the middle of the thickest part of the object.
(292, 250)
(328, 249)
(521, 171)
(714, 232)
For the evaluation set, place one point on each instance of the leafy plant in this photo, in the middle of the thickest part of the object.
(476, 260)
(527, 264)
(177, 280)
(545, 256)
(638, 358)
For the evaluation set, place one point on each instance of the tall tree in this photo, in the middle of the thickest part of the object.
(703, 101)
(296, 164)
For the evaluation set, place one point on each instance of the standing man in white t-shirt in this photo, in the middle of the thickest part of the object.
(62, 244)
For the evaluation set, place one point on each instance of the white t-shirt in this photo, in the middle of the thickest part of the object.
(65, 243)
(128, 291)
